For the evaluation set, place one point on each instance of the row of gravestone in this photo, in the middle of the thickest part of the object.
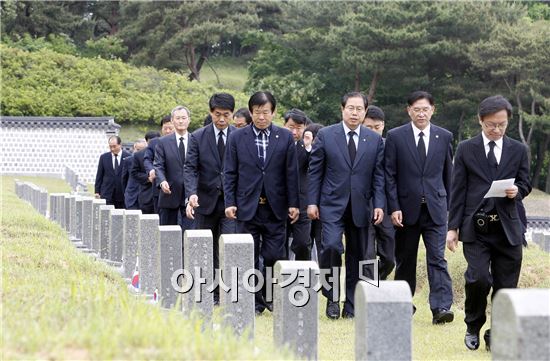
(541, 239)
(135, 243)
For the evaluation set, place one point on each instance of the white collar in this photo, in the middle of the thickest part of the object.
(417, 131)
(347, 129)
(487, 140)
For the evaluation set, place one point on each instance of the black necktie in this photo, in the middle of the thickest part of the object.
(351, 146)
(421, 149)
(492, 159)
(221, 145)
(182, 150)
(116, 163)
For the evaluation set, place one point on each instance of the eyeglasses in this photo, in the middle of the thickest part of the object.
(492, 126)
(351, 109)
(421, 110)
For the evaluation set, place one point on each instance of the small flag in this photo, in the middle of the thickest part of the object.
(135, 276)
(156, 295)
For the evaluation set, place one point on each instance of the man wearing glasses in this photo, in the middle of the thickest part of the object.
(490, 229)
(418, 179)
(346, 192)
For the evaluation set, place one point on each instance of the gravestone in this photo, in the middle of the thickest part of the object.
(296, 307)
(149, 267)
(87, 221)
(61, 210)
(67, 215)
(131, 242)
(53, 207)
(96, 203)
(116, 236)
(43, 202)
(105, 230)
(78, 218)
(383, 321)
(72, 220)
(198, 260)
(538, 238)
(545, 243)
(170, 250)
(520, 324)
(236, 258)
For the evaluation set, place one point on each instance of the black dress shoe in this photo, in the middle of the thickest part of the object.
(259, 311)
(442, 316)
(269, 306)
(347, 314)
(487, 339)
(333, 310)
(414, 309)
(471, 340)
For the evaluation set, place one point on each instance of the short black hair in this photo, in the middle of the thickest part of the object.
(420, 94)
(354, 95)
(375, 113)
(165, 119)
(298, 116)
(245, 113)
(313, 128)
(151, 134)
(118, 140)
(262, 98)
(494, 104)
(222, 101)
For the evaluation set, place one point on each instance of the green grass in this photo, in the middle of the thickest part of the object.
(58, 303)
(232, 72)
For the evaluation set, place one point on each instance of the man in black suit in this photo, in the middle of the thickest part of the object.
(296, 121)
(346, 192)
(203, 175)
(170, 153)
(108, 180)
(382, 234)
(129, 183)
(261, 183)
(140, 174)
(418, 179)
(149, 158)
(490, 229)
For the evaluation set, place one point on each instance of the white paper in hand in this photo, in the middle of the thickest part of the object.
(499, 187)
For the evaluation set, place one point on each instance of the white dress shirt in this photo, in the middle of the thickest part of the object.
(217, 134)
(498, 147)
(426, 137)
(185, 139)
(355, 136)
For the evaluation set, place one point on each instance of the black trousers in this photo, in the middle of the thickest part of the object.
(492, 262)
(407, 240)
(383, 235)
(357, 250)
(269, 236)
(301, 240)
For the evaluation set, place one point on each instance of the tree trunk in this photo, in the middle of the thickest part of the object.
(372, 88)
(547, 190)
(190, 60)
(541, 152)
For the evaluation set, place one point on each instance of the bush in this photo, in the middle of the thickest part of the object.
(47, 83)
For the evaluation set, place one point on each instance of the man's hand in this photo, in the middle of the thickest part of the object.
(293, 214)
(378, 215)
(165, 187)
(308, 140)
(313, 212)
(511, 192)
(452, 240)
(397, 218)
(97, 195)
(191, 205)
(231, 212)
(152, 176)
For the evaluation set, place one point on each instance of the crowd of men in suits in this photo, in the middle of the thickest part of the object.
(343, 188)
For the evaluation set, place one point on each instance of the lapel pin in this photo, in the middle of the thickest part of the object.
(437, 136)
(277, 136)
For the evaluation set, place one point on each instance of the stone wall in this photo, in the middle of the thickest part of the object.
(44, 146)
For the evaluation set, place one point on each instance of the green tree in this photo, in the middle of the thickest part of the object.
(182, 35)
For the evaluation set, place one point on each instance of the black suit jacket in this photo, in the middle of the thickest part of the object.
(107, 181)
(141, 176)
(245, 175)
(169, 167)
(203, 173)
(405, 178)
(149, 160)
(472, 180)
(302, 156)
